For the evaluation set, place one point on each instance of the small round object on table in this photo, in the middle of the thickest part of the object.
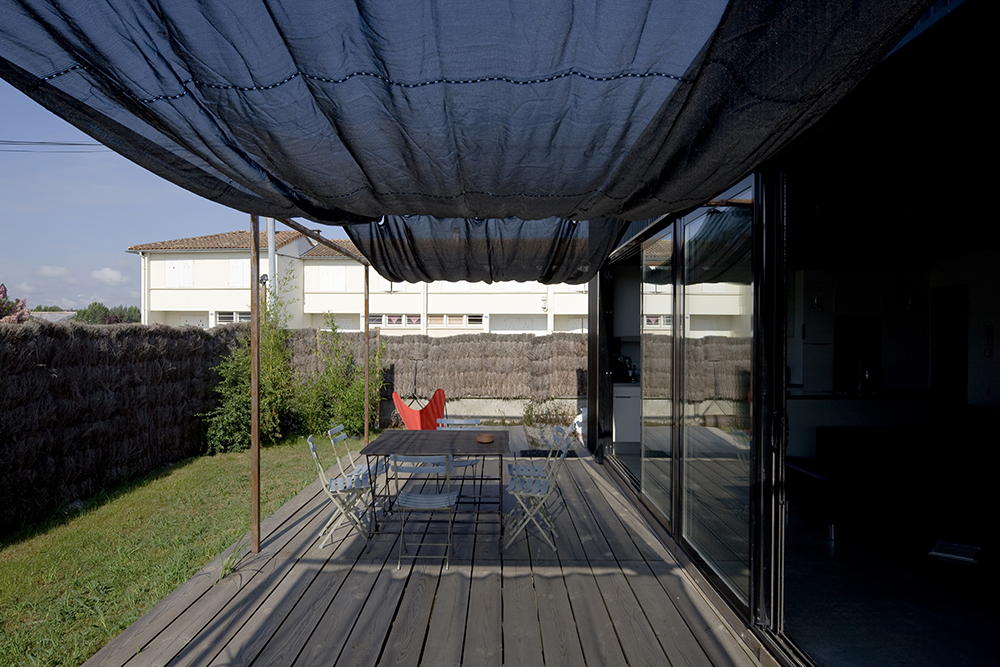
(484, 438)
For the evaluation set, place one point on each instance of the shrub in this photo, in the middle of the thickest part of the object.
(12, 312)
(229, 422)
(336, 395)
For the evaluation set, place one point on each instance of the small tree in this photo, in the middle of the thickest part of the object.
(93, 313)
(229, 422)
(336, 395)
(12, 311)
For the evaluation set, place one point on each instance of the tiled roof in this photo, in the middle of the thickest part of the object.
(226, 241)
(323, 251)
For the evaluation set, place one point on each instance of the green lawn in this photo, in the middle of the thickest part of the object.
(70, 584)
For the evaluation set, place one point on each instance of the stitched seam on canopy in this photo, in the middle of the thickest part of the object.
(374, 75)
(461, 194)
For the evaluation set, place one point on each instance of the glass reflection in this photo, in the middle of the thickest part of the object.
(718, 307)
(657, 377)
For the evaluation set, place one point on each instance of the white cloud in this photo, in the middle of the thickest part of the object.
(25, 288)
(109, 276)
(53, 271)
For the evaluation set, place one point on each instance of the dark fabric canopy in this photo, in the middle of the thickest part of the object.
(345, 112)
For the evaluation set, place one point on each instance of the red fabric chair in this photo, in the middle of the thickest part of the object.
(424, 419)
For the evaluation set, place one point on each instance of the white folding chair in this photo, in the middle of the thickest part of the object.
(356, 466)
(541, 468)
(448, 424)
(532, 494)
(346, 494)
(415, 500)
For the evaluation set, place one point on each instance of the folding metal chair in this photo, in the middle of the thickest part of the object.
(541, 469)
(356, 466)
(414, 500)
(532, 493)
(447, 424)
(345, 492)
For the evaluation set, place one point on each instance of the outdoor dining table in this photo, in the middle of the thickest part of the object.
(438, 443)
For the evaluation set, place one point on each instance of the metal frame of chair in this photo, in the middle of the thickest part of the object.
(531, 469)
(345, 492)
(532, 494)
(449, 424)
(356, 466)
(408, 502)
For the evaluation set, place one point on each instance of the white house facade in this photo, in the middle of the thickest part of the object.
(204, 281)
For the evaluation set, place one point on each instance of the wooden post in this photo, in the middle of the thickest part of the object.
(254, 384)
(368, 359)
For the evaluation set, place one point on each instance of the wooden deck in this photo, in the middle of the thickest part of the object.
(610, 595)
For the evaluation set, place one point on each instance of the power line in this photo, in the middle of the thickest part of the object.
(11, 142)
(48, 146)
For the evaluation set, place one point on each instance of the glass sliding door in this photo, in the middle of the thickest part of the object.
(657, 350)
(716, 400)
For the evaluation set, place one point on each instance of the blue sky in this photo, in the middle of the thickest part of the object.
(67, 218)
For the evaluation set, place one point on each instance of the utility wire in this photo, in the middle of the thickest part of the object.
(45, 146)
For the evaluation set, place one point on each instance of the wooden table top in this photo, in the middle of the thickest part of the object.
(436, 443)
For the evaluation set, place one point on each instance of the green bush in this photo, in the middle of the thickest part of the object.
(229, 422)
(336, 395)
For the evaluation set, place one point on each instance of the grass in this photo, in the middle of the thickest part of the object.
(69, 584)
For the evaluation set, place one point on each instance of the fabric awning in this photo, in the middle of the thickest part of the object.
(427, 113)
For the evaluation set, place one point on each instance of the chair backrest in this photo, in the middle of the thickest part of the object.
(337, 436)
(563, 440)
(419, 465)
(319, 466)
(425, 418)
(446, 424)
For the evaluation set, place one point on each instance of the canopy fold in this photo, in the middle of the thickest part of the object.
(346, 113)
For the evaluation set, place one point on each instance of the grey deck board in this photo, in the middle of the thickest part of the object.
(483, 629)
(597, 635)
(522, 640)
(406, 636)
(560, 638)
(367, 639)
(612, 594)
(446, 627)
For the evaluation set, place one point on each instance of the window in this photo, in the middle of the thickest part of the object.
(229, 317)
(658, 321)
(333, 279)
(179, 273)
(389, 286)
(239, 272)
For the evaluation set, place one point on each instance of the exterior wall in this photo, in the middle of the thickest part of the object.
(195, 287)
(440, 308)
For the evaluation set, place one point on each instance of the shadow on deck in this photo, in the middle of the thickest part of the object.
(610, 595)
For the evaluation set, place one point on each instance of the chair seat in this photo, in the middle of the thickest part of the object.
(529, 487)
(413, 500)
(359, 483)
(527, 470)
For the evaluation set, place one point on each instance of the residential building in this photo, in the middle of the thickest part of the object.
(204, 281)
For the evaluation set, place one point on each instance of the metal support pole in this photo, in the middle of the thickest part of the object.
(368, 359)
(254, 384)
(272, 263)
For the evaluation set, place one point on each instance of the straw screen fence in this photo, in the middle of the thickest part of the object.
(499, 366)
(83, 407)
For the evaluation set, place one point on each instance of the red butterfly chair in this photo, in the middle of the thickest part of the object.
(424, 419)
